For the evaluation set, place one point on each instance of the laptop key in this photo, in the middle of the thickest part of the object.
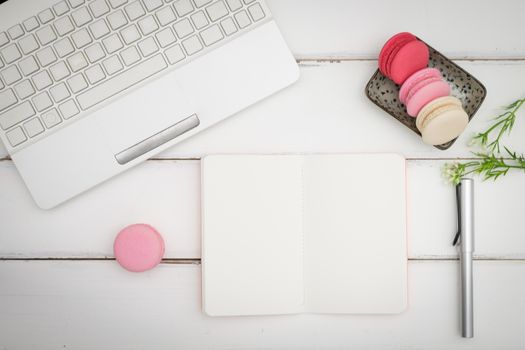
(165, 15)
(117, 3)
(98, 8)
(201, 3)
(228, 25)
(148, 25)
(60, 8)
(94, 74)
(234, 5)
(64, 25)
(3, 39)
(81, 38)
(95, 52)
(112, 65)
(16, 136)
(242, 19)
(130, 34)
(192, 45)
(41, 80)
(112, 43)
(28, 65)
(63, 47)
(46, 56)
(46, 16)
(99, 28)
(148, 47)
(59, 92)
(183, 7)
(199, 20)
(117, 20)
(11, 75)
(7, 99)
(33, 127)
(15, 31)
(42, 101)
(76, 83)
(211, 35)
(174, 54)
(59, 71)
(31, 24)
(76, 3)
(77, 61)
(81, 16)
(51, 118)
(46, 35)
(165, 37)
(183, 28)
(152, 4)
(16, 114)
(68, 109)
(24, 89)
(28, 44)
(134, 10)
(11, 53)
(130, 55)
(217, 10)
(121, 82)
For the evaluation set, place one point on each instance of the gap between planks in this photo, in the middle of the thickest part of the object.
(183, 159)
(343, 58)
(197, 261)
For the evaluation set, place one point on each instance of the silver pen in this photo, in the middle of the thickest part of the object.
(465, 202)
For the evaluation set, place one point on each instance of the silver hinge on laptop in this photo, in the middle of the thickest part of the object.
(157, 140)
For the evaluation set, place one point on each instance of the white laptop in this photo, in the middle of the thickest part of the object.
(90, 88)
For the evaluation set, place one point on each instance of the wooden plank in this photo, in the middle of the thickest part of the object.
(357, 29)
(98, 305)
(166, 195)
(327, 111)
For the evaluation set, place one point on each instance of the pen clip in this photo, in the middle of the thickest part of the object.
(458, 206)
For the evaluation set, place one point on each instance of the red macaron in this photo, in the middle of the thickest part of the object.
(401, 56)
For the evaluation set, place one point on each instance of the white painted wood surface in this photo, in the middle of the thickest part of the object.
(83, 304)
(97, 305)
(166, 194)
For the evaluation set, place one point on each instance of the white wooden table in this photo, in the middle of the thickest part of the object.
(61, 289)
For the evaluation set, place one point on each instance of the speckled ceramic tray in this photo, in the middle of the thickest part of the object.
(385, 93)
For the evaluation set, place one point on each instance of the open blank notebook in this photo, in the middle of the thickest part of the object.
(304, 233)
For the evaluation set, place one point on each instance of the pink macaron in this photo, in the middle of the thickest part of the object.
(401, 56)
(138, 248)
(421, 88)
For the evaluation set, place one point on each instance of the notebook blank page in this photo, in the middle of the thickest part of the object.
(252, 240)
(355, 233)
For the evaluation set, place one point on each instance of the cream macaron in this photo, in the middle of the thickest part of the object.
(441, 120)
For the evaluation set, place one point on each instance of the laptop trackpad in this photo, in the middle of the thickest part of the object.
(145, 118)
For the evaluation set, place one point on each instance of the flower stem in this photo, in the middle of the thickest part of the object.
(491, 164)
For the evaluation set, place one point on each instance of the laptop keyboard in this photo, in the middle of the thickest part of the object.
(65, 60)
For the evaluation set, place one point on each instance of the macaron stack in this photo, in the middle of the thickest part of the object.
(439, 117)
